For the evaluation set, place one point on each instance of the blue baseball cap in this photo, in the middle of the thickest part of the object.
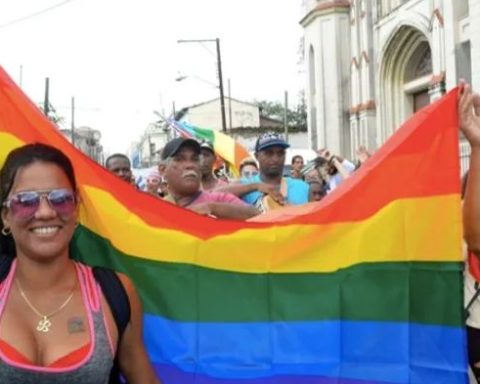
(270, 139)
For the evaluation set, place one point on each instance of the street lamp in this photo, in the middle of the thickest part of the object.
(185, 77)
(220, 77)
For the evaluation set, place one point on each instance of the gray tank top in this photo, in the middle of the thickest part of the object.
(94, 369)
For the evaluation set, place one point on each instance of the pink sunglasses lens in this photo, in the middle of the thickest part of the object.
(25, 204)
(23, 209)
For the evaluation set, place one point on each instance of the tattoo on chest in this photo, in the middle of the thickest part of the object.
(76, 325)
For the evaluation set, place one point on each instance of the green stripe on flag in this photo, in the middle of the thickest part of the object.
(401, 292)
(204, 134)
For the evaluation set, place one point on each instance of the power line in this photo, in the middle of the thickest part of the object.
(35, 14)
(208, 50)
(89, 109)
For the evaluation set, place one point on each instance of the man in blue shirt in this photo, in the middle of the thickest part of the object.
(270, 151)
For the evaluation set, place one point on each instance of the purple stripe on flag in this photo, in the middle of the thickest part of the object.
(172, 375)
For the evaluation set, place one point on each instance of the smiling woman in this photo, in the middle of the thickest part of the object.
(49, 297)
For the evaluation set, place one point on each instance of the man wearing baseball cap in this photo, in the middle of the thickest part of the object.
(182, 173)
(207, 161)
(269, 189)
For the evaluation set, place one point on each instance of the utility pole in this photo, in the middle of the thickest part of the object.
(285, 116)
(46, 102)
(229, 105)
(73, 121)
(220, 76)
(220, 82)
(150, 154)
(21, 76)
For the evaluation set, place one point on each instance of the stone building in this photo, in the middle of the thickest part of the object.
(87, 140)
(372, 63)
(146, 152)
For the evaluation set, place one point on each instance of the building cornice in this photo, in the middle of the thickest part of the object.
(437, 79)
(325, 8)
(438, 14)
(364, 57)
(355, 63)
(370, 105)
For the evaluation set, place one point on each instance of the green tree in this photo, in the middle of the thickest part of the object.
(275, 110)
(53, 115)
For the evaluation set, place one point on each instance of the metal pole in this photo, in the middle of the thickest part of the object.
(21, 76)
(149, 150)
(220, 83)
(229, 105)
(285, 116)
(46, 102)
(220, 76)
(73, 121)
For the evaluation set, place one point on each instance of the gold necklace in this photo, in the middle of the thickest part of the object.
(44, 323)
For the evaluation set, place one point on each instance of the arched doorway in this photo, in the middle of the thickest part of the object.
(417, 77)
(405, 75)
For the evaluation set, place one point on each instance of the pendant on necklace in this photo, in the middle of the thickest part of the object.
(44, 325)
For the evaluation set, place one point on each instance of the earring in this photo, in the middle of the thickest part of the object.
(6, 231)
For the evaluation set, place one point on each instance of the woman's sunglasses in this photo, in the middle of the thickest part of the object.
(23, 205)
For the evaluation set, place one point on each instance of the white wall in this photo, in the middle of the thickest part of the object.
(296, 140)
(208, 115)
(328, 31)
(474, 32)
(156, 137)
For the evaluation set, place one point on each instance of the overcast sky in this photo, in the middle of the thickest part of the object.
(120, 58)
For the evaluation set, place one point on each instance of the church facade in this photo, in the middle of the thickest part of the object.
(371, 64)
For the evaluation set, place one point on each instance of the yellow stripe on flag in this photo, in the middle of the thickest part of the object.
(405, 230)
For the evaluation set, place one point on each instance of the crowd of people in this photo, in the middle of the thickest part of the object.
(187, 176)
(57, 325)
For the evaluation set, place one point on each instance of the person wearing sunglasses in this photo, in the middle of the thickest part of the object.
(50, 329)
(154, 184)
(248, 169)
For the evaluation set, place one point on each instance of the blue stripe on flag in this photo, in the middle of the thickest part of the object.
(371, 351)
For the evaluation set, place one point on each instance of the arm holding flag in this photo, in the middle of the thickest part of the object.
(241, 189)
(469, 121)
(226, 210)
(133, 358)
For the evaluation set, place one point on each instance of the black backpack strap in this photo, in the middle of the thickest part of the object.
(472, 300)
(116, 296)
(5, 264)
(117, 299)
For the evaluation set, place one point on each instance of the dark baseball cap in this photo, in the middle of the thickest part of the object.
(207, 145)
(173, 146)
(270, 139)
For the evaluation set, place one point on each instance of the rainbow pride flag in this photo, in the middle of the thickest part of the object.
(363, 287)
(224, 146)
